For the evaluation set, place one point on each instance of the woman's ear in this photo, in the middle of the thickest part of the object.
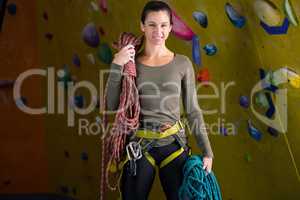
(171, 26)
(142, 26)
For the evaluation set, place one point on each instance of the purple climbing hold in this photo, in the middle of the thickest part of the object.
(244, 101)
(6, 83)
(90, 35)
(223, 131)
(76, 60)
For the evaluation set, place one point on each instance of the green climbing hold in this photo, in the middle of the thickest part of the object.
(248, 157)
(261, 100)
(104, 53)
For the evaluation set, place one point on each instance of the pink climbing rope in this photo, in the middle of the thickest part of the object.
(127, 116)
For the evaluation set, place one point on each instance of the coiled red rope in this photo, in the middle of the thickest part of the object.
(127, 116)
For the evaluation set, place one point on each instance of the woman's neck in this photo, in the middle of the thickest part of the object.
(156, 51)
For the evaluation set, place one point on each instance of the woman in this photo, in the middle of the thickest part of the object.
(163, 77)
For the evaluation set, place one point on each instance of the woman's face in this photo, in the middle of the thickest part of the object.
(156, 27)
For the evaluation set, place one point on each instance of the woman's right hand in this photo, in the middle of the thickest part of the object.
(125, 55)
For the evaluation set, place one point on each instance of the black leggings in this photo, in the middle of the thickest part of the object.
(138, 187)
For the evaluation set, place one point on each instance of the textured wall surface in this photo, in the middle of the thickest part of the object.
(246, 168)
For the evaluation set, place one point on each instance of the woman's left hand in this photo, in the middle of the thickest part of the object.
(207, 164)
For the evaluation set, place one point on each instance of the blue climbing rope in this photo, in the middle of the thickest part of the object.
(196, 184)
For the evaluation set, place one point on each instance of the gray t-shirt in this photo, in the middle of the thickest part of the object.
(161, 89)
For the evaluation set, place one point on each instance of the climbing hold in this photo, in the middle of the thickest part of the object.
(201, 18)
(210, 49)
(49, 36)
(180, 29)
(203, 76)
(291, 14)
(94, 6)
(67, 155)
(21, 102)
(271, 110)
(273, 132)
(104, 53)
(84, 156)
(76, 60)
(223, 131)
(292, 76)
(91, 58)
(248, 157)
(79, 101)
(244, 101)
(276, 30)
(64, 75)
(98, 120)
(267, 12)
(12, 8)
(235, 18)
(6, 83)
(196, 50)
(90, 35)
(101, 30)
(103, 5)
(253, 132)
(261, 100)
(266, 81)
(45, 16)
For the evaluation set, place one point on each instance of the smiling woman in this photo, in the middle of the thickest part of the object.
(163, 78)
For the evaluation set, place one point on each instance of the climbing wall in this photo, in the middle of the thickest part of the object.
(23, 165)
(233, 45)
(250, 162)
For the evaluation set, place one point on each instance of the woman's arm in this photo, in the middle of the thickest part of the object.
(114, 86)
(114, 82)
(193, 111)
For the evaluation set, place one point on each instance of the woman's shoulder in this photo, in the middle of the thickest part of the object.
(183, 59)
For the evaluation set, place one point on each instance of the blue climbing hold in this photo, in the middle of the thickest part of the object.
(76, 60)
(244, 101)
(84, 156)
(196, 50)
(253, 132)
(21, 102)
(235, 18)
(273, 132)
(12, 9)
(210, 49)
(79, 101)
(201, 18)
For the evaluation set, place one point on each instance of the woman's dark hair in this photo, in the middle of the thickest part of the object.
(154, 6)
